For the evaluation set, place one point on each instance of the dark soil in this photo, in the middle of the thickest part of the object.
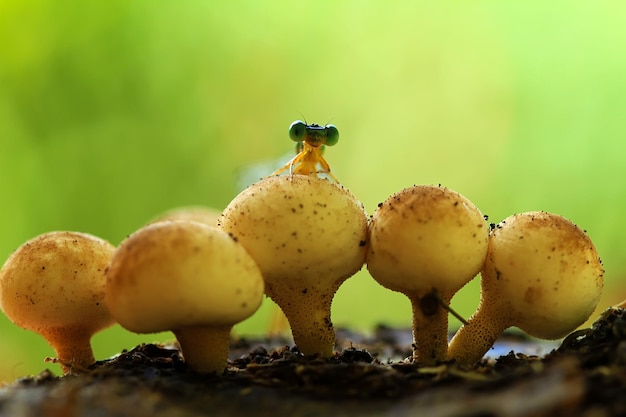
(584, 376)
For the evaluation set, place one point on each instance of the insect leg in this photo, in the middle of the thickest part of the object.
(326, 168)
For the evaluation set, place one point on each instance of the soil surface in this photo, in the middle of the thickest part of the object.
(584, 376)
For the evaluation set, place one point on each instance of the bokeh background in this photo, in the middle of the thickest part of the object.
(114, 112)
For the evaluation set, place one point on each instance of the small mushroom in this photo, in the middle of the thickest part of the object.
(54, 285)
(308, 236)
(206, 215)
(187, 277)
(542, 274)
(427, 242)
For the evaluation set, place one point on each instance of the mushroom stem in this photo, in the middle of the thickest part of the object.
(72, 347)
(430, 327)
(473, 339)
(311, 325)
(205, 348)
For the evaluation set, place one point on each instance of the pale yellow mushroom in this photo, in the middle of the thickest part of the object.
(187, 277)
(542, 274)
(308, 236)
(206, 215)
(54, 285)
(427, 242)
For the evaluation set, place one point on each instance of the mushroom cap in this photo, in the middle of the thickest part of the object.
(301, 230)
(542, 273)
(206, 215)
(175, 274)
(56, 280)
(426, 237)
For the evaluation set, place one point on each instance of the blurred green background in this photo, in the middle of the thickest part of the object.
(113, 112)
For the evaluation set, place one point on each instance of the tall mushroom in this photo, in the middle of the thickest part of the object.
(427, 242)
(54, 285)
(542, 274)
(308, 236)
(187, 277)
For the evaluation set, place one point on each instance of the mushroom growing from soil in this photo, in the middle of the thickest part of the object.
(427, 242)
(308, 236)
(187, 277)
(542, 274)
(54, 285)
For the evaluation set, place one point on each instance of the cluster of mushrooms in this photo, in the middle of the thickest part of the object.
(297, 238)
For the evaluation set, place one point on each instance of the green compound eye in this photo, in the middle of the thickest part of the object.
(332, 135)
(297, 131)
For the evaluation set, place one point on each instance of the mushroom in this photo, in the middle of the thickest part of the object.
(54, 285)
(427, 242)
(187, 277)
(308, 236)
(200, 214)
(542, 274)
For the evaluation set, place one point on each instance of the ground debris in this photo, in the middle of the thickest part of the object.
(370, 375)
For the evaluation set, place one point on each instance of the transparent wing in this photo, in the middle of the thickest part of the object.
(249, 174)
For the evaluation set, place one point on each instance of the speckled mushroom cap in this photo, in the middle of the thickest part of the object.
(426, 237)
(175, 274)
(55, 282)
(545, 273)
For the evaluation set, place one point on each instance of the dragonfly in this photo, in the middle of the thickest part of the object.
(311, 141)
